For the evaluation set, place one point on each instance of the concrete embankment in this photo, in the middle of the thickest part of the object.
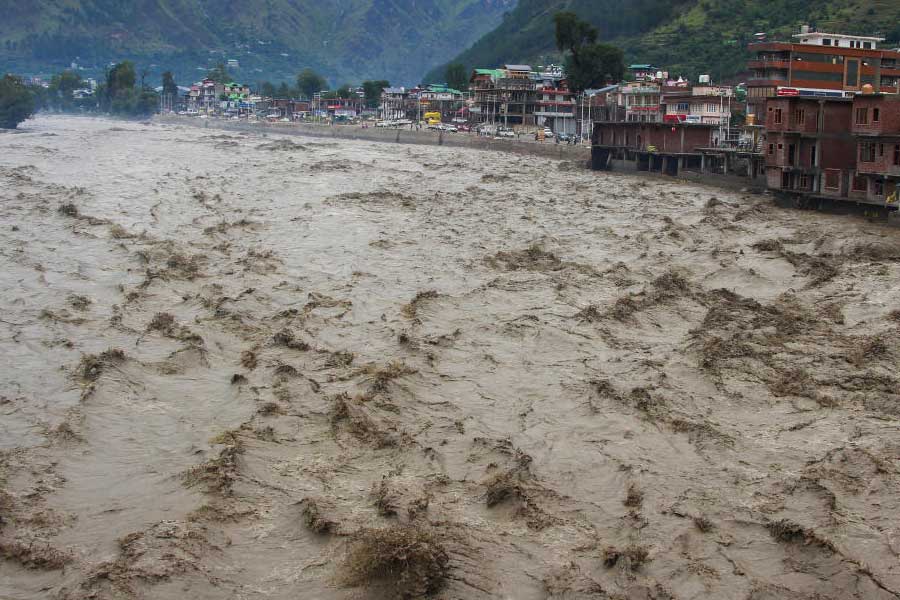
(399, 136)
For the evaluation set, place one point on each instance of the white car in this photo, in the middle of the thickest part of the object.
(548, 132)
(506, 133)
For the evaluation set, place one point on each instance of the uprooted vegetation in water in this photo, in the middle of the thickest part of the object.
(411, 309)
(629, 558)
(34, 554)
(533, 258)
(92, 365)
(788, 531)
(405, 561)
(218, 474)
(165, 324)
(380, 377)
(287, 339)
(314, 516)
(351, 414)
(667, 287)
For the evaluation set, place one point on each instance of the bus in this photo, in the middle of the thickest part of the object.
(432, 118)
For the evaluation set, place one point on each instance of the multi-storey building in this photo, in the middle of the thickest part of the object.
(205, 96)
(642, 101)
(555, 108)
(818, 64)
(876, 125)
(505, 96)
(809, 148)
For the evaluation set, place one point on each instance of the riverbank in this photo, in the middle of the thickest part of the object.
(424, 137)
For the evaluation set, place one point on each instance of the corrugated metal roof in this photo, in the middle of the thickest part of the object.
(518, 67)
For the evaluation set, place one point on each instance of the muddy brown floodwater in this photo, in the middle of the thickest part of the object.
(239, 366)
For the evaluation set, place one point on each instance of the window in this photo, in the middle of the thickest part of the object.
(880, 150)
(780, 146)
(804, 181)
(826, 41)
(879, 187)
(812, 156)
(772, 149)
(817, 76)
(777, 116)
(867, 152)
(800, 116)
(897, 154)
(876, 114)
(852, 79)
(860, 183)
(862, 116)
(867, 45)
(832, 179)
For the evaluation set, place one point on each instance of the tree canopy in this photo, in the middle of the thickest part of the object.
(373, 89)
(120, 96)
(16, 102)
(457, 76)
(170, 88)
(267, 89)
(219, 74)
(61, 88)
(588, 62)
(310, 83)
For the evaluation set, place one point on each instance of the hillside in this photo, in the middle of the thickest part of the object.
(686, 36)
(347, 40)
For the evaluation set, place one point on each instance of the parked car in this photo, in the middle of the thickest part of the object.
(548, 132)
(506, 133)
(565, 137)
(464, 128)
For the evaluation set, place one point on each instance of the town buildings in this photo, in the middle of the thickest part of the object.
(823, 122)
(821, 65)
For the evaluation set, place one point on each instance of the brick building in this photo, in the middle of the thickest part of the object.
(819, 64)
(876, 125)
(809, 147)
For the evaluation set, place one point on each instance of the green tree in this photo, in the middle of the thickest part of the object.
(120, 79)
(267, 90)
(59, 92)
(457, 76)
(170, 88)
(588, 62)
(284, 91)
(572, 33)
(120, 96)
(372, 91)
(16, 102)
(309, 82)
(219, 74)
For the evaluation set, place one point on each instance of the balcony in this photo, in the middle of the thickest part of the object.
(551, 113)
(769, 63)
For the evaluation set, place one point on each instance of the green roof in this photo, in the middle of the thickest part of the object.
(495, 73)
(632, 67)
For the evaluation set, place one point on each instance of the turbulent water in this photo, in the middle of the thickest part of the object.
(239, 366)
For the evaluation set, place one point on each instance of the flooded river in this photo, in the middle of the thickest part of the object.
(251, 367)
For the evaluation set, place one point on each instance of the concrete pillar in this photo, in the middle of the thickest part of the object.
(702, 163)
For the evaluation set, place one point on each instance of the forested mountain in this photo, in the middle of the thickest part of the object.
(686, 36)
(346, 40)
